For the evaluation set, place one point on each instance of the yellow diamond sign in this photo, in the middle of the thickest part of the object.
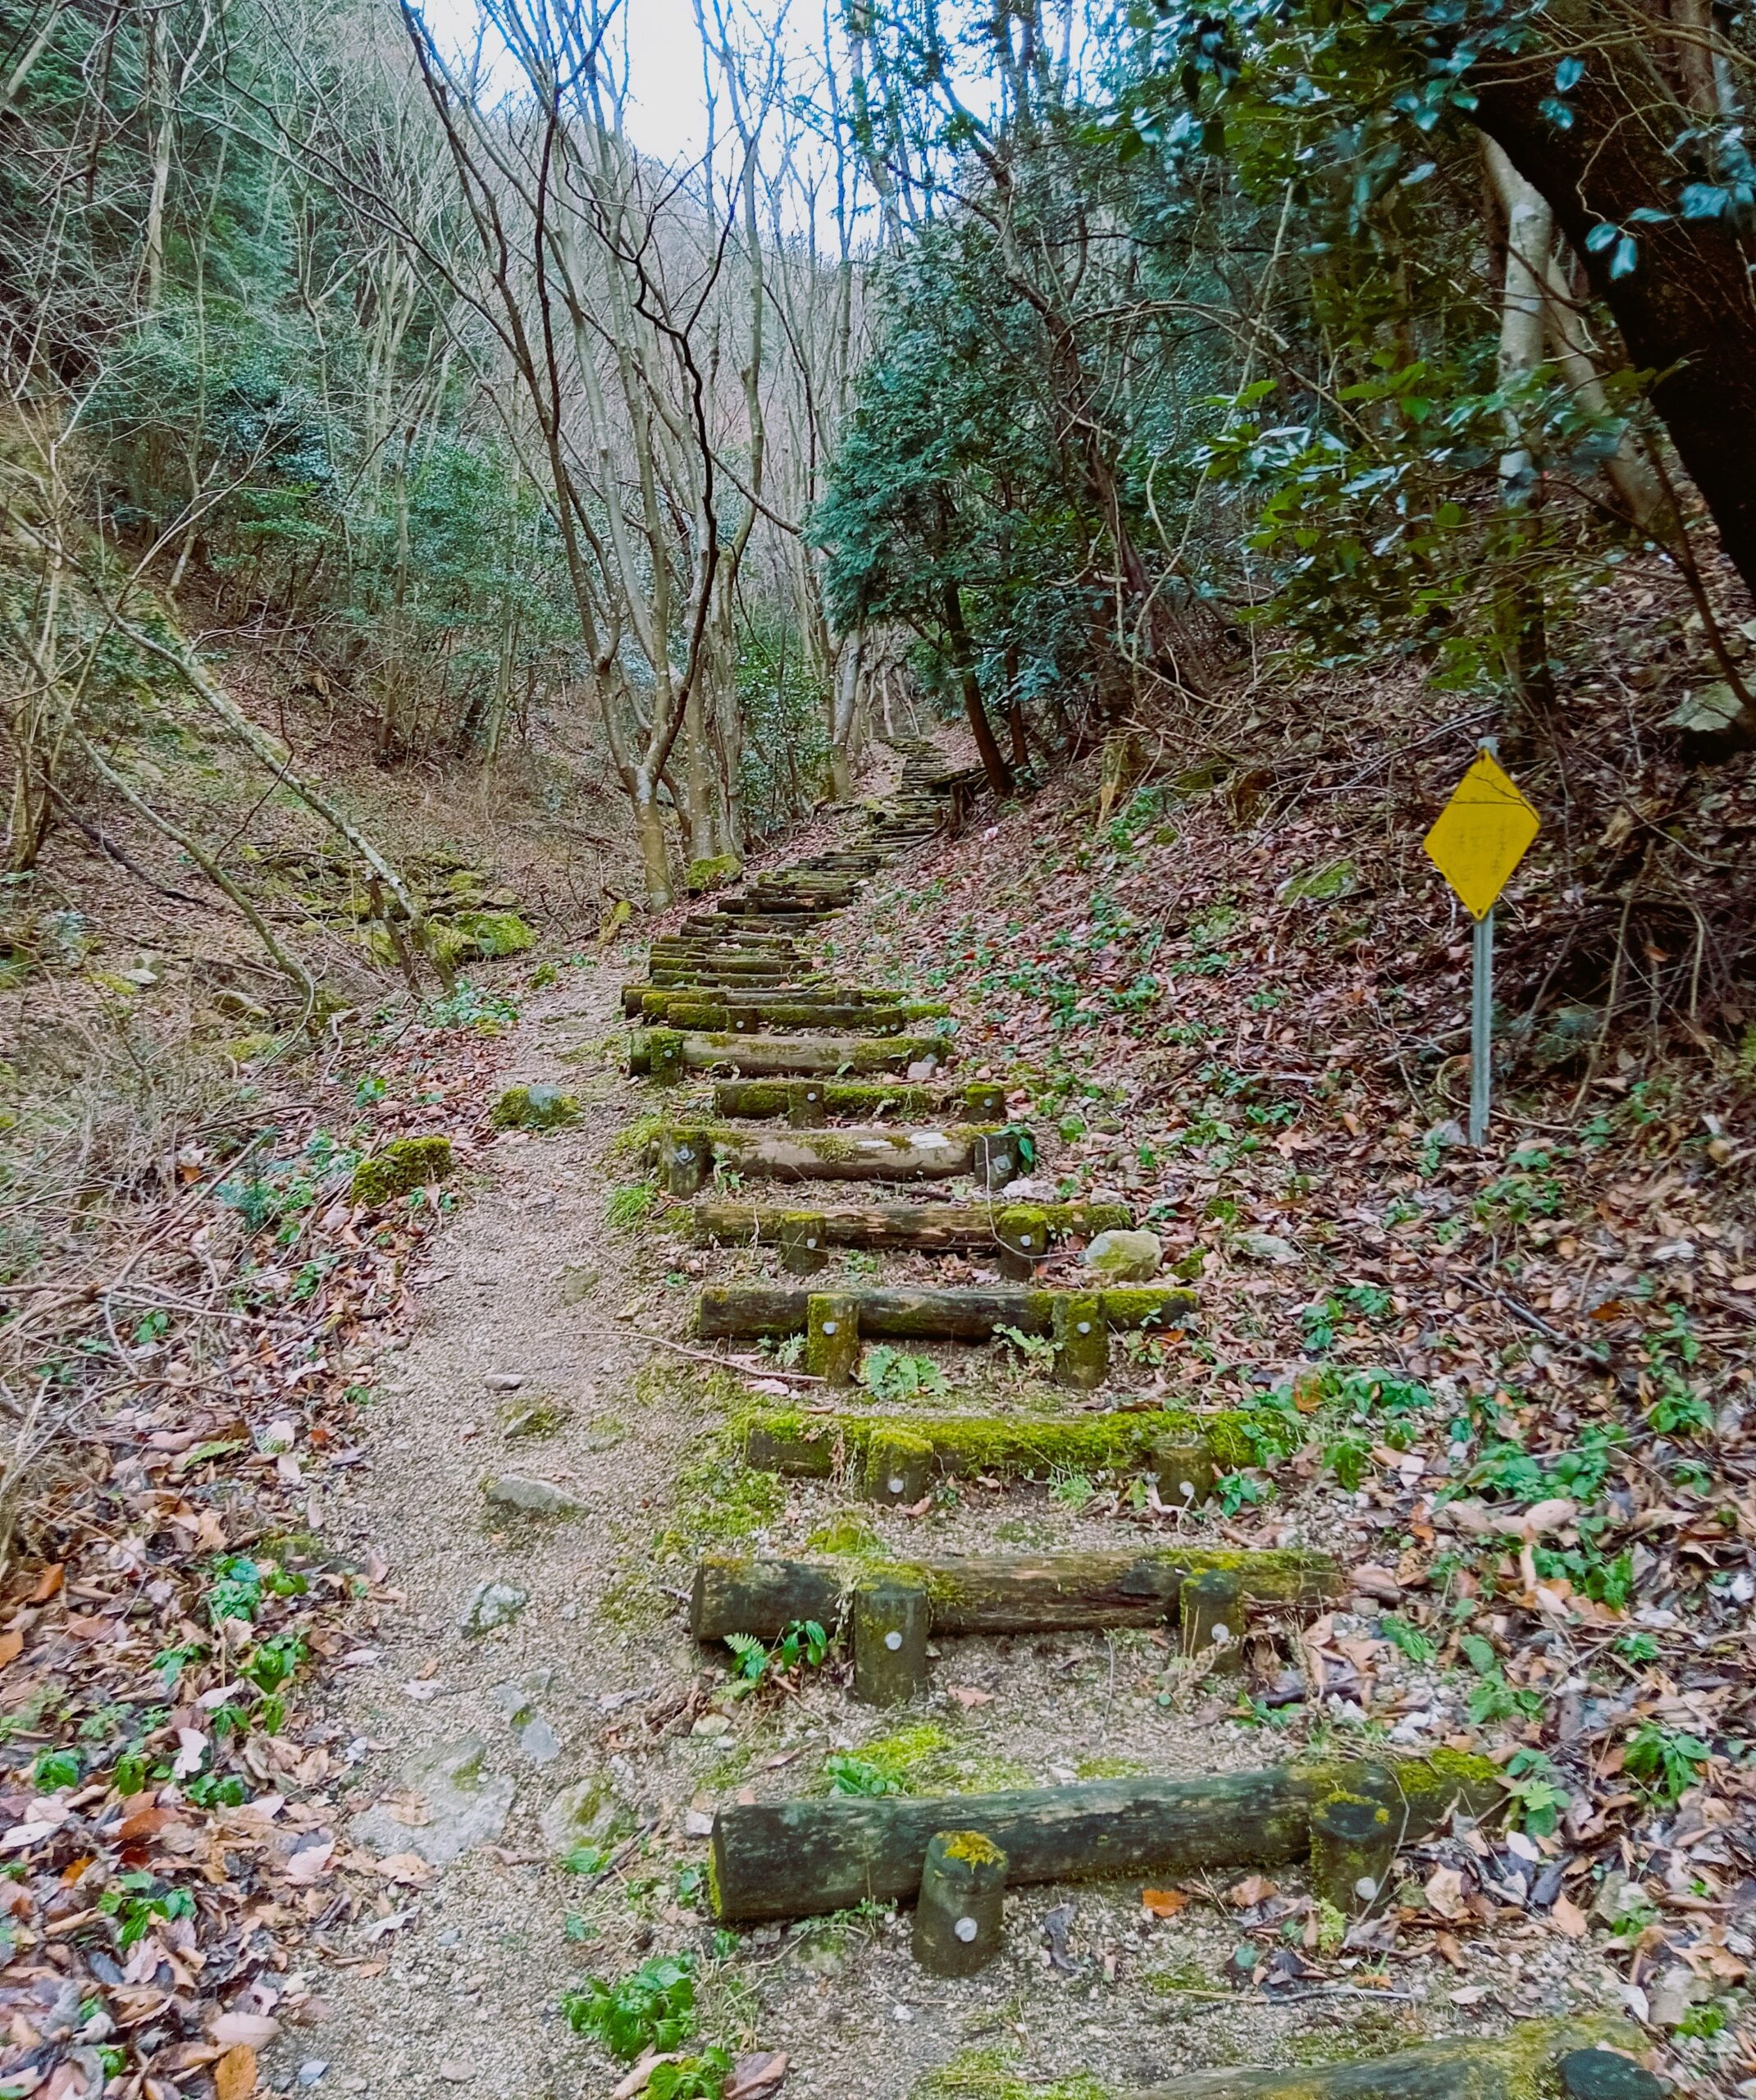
(1482, 833)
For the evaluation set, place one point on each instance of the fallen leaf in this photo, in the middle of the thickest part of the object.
(49, 1582)
(1446, 1945)
(1569, 1917)
(967, 1696)
(306, 1869)
(235, 2074)
(12, 1647)
(407, 1870)
(1444, 1892)
(755, 2076)
(192, 1749)
(1253, 1889)
(1163, 1902)
(243, 2030)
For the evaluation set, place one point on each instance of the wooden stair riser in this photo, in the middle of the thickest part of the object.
(667, 1009)
(726, 1053)
(687, 1154)
(803, 1858)
(742, 1311)
(804, 1101)
(1017, 1236)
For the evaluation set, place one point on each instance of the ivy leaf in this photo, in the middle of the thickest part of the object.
(1601, 235)
(1568, 75)
(1626, 259)
(1559, 113)
(1703, 200)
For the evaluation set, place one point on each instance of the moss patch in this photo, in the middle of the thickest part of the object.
(485, 935)
(992, 2074)
(704, 875)
(533, 1108)
(400, 1168)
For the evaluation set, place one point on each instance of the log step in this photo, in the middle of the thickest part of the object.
(896, 1458)
(738, 1312)
(747, 1016)
(808, 1101)
(935, 1228)
(688, 1153)
(1589, 2059)
(1055, 1593)
(723, 1052)
(802, 1858)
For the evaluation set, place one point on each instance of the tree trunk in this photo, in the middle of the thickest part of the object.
(963, 659)
(1684, 309)
(655, 856)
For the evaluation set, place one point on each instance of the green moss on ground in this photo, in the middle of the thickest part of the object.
(992, 2074)
(704, 875)
(533, 1108)
(400, 1168)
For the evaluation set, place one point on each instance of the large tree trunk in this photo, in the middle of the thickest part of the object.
(1684, 309)
(963, 658)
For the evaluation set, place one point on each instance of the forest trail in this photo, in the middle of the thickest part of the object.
(538, 1751)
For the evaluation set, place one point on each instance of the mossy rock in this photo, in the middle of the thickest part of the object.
(538, 1108)
(704, 875)
(1319, 885)
(485, 935)
(399, 1169)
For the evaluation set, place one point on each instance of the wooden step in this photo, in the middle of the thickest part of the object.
(803, 1858)
(687, 1154)
(805, 1102)
(896, 1458)
(1583, 2059)
(751, 1016)
(1062, 1592)
(1028, 1231)
(669, 1052)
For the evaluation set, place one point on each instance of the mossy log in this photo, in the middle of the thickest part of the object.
(936, 1228)
(735, 1311)
(722, 1051)
(811, 1446)
(978, 1101)
(749, 925)
(1060, 1592)
(747, 1015)
(1589, 2059)
(904, 1154)
(801, 1858)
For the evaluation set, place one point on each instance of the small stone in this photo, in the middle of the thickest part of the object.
(312, 2070)
(534, 1497)
(451, 1937)
(1267, 1247)
(460, 1805)
(1669, 1999)
(587, 1812)
(503, 1381)
(1124, 1256)
(577, 1284)
(492, 1605)
(697, 1822)
(538, 1741)
(711, 1724)
(456, 2073)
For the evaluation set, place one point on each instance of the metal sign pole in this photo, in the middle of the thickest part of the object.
(1481, 1026)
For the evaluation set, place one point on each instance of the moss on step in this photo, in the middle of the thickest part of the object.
(533, 1108)
(704, 875)
(400, 1168)
(993, 2074)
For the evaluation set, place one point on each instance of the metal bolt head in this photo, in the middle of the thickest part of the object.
(893, 1641)
(966, 1930)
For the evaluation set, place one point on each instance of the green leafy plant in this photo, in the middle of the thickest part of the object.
(890, 1374)
(1667, 1762)
(1417, 1646)
(1535, 1788)
(849, 1774)
(654, 2008)
(138, 1901)
(632, 1204)
(803, 1640)
(53, 1770)
(466, 1005)
(1241, 1491)
(1037, 1349)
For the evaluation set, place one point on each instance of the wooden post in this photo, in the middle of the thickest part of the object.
(832, 1339)
(685, 1160)
(1081, 1342)
(891, 1615)
(1185, 1469)
(803, 1250)
(958, 1915)
(664, 1055)
(899, 1467)
(1213, 1620)
(997, 1158)
(805, 1110)
(984, 1101)
(1353, 1842)
(1023, 1233)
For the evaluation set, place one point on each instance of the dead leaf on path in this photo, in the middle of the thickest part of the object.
(755, 2076)
(1568, 1917)
(1163, 1902)
(235, 2074)
(1253, 1889)
(243, 2030)
(49, 1582)
(967, 1697)
(1444, 1892)
(306, 1869)
(1446, 1945)
(12, 1647)
(407, 1870)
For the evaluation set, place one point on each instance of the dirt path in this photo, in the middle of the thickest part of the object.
(586, 1723)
